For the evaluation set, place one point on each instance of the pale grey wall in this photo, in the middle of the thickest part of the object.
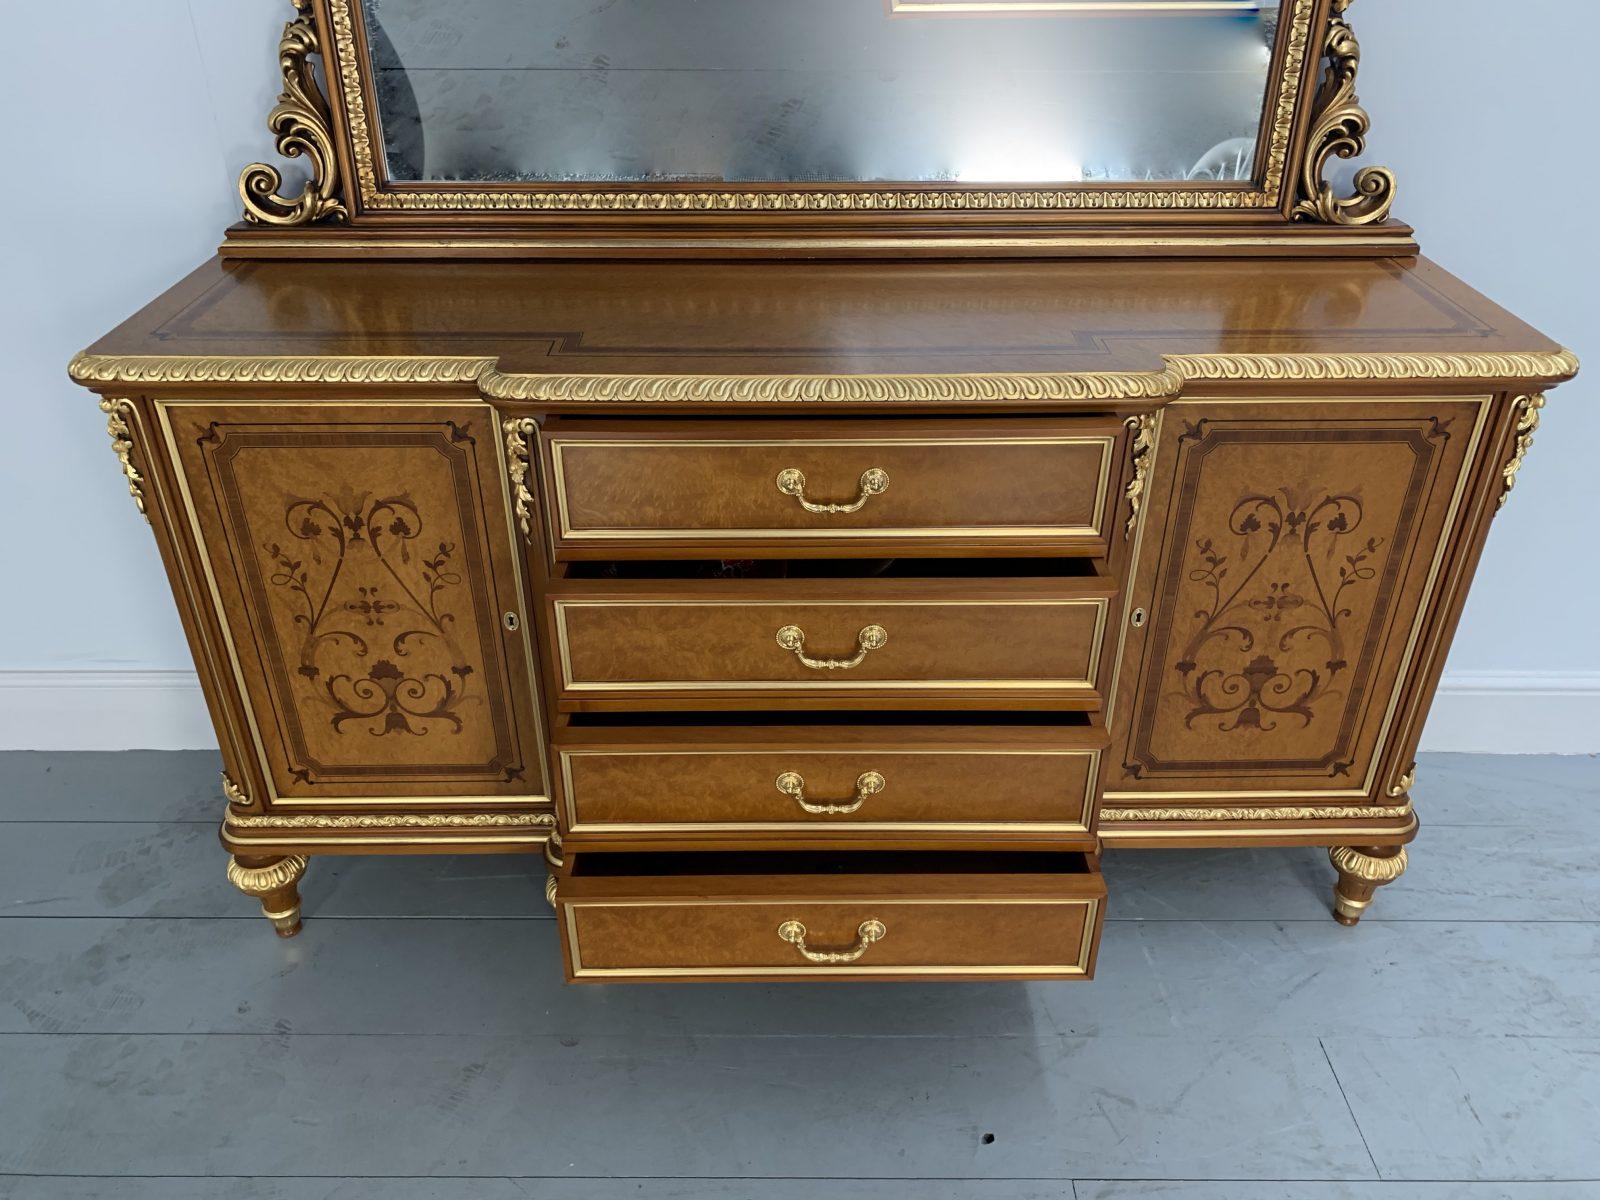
(1487, 110)
(120, 179)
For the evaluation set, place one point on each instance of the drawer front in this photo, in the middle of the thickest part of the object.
(901, 482)
(812, 785)
(801, 643)
(796, 928)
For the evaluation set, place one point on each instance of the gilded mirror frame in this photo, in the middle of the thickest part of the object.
(327, 115)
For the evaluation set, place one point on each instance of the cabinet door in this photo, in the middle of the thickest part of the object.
(1286, 579)
(362, 568)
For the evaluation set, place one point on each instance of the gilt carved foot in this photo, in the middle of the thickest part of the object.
(1361, 873)
(274, 882)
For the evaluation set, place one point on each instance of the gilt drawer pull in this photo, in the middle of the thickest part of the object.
(868, 783)
(873, 637)
(874, 482)
(869, 931)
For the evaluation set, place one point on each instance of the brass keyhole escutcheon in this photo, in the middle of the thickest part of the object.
(1138, 618)
(512, 622)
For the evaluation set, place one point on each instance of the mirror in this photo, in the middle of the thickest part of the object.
(722, 92)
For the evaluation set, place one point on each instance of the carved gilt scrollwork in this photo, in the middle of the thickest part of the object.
(1142, 453)
(303, 124)
(121, 433)
(519, 468)
(237, 796)
(1528, 410)
(1403, 785)
(1339, 130)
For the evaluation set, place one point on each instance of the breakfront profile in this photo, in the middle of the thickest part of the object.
(821, 475)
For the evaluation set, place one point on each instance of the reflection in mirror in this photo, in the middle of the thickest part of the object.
(820, 91)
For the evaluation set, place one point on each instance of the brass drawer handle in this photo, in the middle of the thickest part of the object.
(869, 931)
(868, 783)
(873, 637)
(874, 482)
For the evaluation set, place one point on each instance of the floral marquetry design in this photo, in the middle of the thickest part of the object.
(1275, 599)
(1297, 554)
(363, 597)
(396, 625)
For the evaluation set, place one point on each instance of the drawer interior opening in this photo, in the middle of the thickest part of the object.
(833, 568)
(611, 864)
(779, 718)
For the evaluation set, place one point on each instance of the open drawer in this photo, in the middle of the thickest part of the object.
(830, 643)
(816, 916)
(839, 786)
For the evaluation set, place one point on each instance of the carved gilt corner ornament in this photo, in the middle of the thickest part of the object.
(519, 468)
(1403, 785)
(303, 124)
(1339, 129)
(1143, 454)
(117, 412)
(1527, 410)
(237, 796)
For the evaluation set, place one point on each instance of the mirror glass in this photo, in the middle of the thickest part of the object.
(820, 91)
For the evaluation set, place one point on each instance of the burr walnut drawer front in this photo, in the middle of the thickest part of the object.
(816, 916)
(831, 643)
(831, 487)
(832, 785)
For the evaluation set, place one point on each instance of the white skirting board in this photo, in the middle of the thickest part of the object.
(1486, 712)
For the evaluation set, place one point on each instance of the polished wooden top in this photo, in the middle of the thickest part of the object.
(764, 318)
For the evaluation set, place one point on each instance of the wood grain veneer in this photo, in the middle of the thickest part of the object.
(1171, 554)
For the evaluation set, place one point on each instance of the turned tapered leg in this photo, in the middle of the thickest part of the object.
(274, 882)
(1361, 873)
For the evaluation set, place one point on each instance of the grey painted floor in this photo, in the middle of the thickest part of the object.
(157, 1043)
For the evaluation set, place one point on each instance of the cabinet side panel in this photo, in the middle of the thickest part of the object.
(1294, 554)
(360, 562)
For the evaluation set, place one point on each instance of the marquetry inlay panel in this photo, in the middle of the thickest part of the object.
(1283, 592)
(360, 556)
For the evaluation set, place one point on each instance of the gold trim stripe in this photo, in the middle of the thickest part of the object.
(1110, 815)
(395, 821)
(1530, 367)
(845, 389)
(1373, 368)
(300, 843)
(1226, 835)
(128, 368)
